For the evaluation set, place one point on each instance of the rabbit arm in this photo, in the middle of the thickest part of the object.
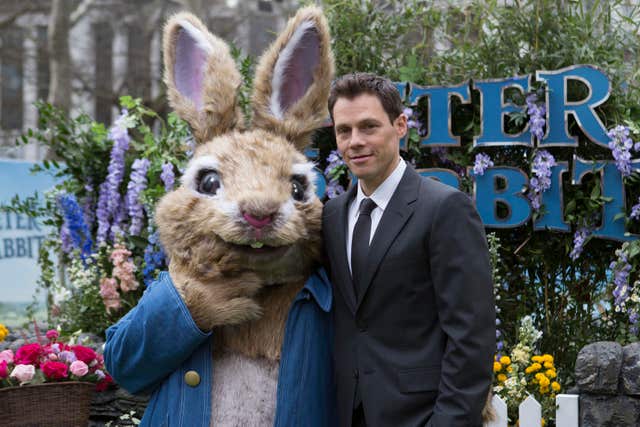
(224, 300)
(152, 340)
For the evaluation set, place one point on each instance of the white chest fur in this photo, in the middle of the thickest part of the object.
(244, 391)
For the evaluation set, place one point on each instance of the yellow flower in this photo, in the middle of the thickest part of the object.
(509, 368)
(505, 360)
(533, 368)
(3, 332)
(547, 358)
(544, 381)
(537, 359)
(502, 377)
(497, 366)
(548, 365)
(544, 389)
(543, 422)
(555, 386)
(551, 373)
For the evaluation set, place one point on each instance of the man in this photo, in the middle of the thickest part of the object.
(414, 311)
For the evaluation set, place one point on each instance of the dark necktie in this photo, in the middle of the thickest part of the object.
(360, 244)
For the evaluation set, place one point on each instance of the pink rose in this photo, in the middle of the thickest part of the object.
(55, 370)
(6, 356)
(52, 334)
(28, 354)
(79, 368)
(3, 369)
(23, 373)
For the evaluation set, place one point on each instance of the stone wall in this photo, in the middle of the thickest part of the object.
(608, 380)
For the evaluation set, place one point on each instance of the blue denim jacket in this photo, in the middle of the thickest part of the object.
(154, 345)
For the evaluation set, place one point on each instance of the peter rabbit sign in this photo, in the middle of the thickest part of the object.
(20, 240)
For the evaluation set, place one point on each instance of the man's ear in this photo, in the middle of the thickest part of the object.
(201, 77)
(293, 79)
(400, 124)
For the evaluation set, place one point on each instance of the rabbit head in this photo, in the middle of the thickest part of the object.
(247, 198)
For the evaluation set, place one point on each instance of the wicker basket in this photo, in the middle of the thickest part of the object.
(64, 404)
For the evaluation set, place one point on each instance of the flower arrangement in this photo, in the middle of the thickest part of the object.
(101, 213)
(55, 361)
(524, 372)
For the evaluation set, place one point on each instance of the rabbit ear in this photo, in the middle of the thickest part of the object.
(201, 77)
(293, 79)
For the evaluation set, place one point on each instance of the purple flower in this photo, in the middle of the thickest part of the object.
(481, 163)
(536, 115)
(334, 189)
(67, 356)
(621, 269)
(335, 165)
(621, 145)
(167, 176)
(100, 374)
(102, 213)
(635, 211)
(579, 240)
(65, 239)
(137, 184)
(543, 161)
(110, 200)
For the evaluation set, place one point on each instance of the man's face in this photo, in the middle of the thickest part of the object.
(367, 140)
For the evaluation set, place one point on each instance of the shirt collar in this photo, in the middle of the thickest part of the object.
(383, 193)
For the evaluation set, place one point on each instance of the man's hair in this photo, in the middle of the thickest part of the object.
(351, 85)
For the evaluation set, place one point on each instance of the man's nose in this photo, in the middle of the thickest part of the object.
(357, 138)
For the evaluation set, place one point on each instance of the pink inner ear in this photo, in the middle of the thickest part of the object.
(298, 72)
(188, 70)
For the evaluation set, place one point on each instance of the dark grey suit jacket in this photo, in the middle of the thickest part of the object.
(419, 343)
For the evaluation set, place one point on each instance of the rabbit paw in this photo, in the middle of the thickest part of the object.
(223, 301)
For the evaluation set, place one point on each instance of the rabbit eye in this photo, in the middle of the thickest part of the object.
(209, 182)
(298, 187)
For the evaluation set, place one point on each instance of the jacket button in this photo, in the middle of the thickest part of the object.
(192, 378)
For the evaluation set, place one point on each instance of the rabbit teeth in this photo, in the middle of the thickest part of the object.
(257, 245)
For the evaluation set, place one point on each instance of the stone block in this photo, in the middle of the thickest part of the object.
(630, 372)
(598, 367)
(609, 411)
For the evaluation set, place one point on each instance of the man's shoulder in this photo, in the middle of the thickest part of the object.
(333, 204)
(435, 190)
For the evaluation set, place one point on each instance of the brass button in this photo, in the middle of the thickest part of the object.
(192, 378)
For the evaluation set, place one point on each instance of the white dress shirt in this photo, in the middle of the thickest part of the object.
(381, 197)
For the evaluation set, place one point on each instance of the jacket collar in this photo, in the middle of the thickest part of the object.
(319, 287)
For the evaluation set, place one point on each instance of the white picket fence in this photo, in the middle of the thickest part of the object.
(530, 412)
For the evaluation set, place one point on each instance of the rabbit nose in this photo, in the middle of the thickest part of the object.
(258, 221)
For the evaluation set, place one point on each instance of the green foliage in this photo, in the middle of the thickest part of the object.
(427, 44)
(82, 152)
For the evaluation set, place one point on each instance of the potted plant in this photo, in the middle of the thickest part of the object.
(50, 384)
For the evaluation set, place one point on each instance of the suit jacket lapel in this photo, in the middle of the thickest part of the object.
(339, 248)
(398, 211)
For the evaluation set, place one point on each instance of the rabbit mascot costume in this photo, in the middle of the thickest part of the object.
(238, 331)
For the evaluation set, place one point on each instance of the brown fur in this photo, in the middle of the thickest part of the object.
(221, 82)
(310, 111)
(261, 337)
(223, 282)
